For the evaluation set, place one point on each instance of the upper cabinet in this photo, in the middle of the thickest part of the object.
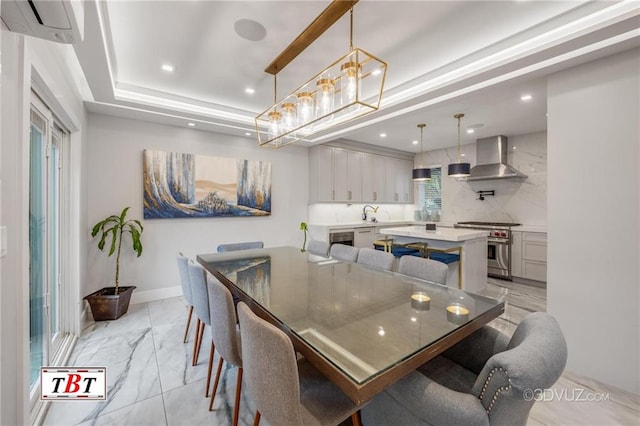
(345, 175)
(399, 183)
(373, 177)
(347, 183)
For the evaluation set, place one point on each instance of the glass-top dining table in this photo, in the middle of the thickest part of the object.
(362, 328)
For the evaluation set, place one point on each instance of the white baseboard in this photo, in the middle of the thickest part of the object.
(152, 295)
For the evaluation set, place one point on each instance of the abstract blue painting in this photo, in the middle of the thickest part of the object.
(190, 185)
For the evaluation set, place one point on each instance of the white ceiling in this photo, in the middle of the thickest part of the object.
(444, 57)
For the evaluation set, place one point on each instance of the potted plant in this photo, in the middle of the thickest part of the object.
(304, 228)
(110, 303)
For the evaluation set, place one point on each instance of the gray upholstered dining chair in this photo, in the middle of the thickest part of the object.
(320, 248)
(284, 390)
(198, 280)
(486, 379)
(226, 336)
(183, 270)
(344, 253)
(376, 259)
(240, 246)
(425, 269)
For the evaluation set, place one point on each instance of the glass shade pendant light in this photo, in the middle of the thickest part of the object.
(306, 107)
(420, 173)
(289, 116)
(275, 116)
(458, 169)
(350, 73)
(275, 121)
(326, 90)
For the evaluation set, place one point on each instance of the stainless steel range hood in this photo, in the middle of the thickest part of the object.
(491, 158)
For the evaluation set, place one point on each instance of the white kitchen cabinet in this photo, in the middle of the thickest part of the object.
(373, 177)
(345, 175)
(334, 175)
(529, 255)
(516, 253)
(363, 237)
(347, 180)
(321, 174)
(399, 183)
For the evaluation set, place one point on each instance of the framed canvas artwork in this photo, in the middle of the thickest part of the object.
(189, 185)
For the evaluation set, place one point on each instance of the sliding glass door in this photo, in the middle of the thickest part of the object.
(46, 141)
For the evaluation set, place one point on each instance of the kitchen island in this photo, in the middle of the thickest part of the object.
(473, 244)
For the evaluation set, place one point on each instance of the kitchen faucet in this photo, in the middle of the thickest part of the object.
(364, 211)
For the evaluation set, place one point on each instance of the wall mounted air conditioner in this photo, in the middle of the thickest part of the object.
(57, 20)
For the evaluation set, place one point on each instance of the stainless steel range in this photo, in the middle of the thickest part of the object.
(498, 248)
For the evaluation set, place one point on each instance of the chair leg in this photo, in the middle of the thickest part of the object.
(215, 383)
(355, 418)
(256, 420)
(211, 354)
(186, 329)
(236, 408)
(200, 335)
(195, 342)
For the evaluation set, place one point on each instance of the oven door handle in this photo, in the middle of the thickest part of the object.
(504, 242)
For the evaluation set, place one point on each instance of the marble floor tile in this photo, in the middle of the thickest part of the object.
(149, 412)
(137, 317)
(151, 380)
(170, 311)
(176, 357)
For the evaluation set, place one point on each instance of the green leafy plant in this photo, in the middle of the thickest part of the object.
(113, 228)
(304, 228)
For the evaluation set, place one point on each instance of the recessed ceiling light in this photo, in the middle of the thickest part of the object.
(249, 90)
(376, 72)
(247, 133)
(383, 135)
(167, 68)
(462, 155)
(191, 124)
(414, 142)
(470, 131)
(526, 97)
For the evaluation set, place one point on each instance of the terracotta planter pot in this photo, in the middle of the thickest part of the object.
(105, 305)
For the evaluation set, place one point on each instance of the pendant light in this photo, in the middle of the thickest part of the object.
(421, 174)
(349, 88)
(459, 169)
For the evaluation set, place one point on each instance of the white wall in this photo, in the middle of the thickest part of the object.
(593, 273)
(23, 59)
(516, 200)
(114, 179)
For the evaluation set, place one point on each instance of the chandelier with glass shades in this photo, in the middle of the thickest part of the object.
(347, 89)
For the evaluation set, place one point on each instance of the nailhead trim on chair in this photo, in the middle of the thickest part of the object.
(498, 391)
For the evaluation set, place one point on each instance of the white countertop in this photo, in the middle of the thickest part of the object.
(441, 234)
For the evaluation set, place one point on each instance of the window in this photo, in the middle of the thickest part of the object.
(430, 192)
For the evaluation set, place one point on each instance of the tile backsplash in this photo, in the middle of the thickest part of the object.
(515, 200)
